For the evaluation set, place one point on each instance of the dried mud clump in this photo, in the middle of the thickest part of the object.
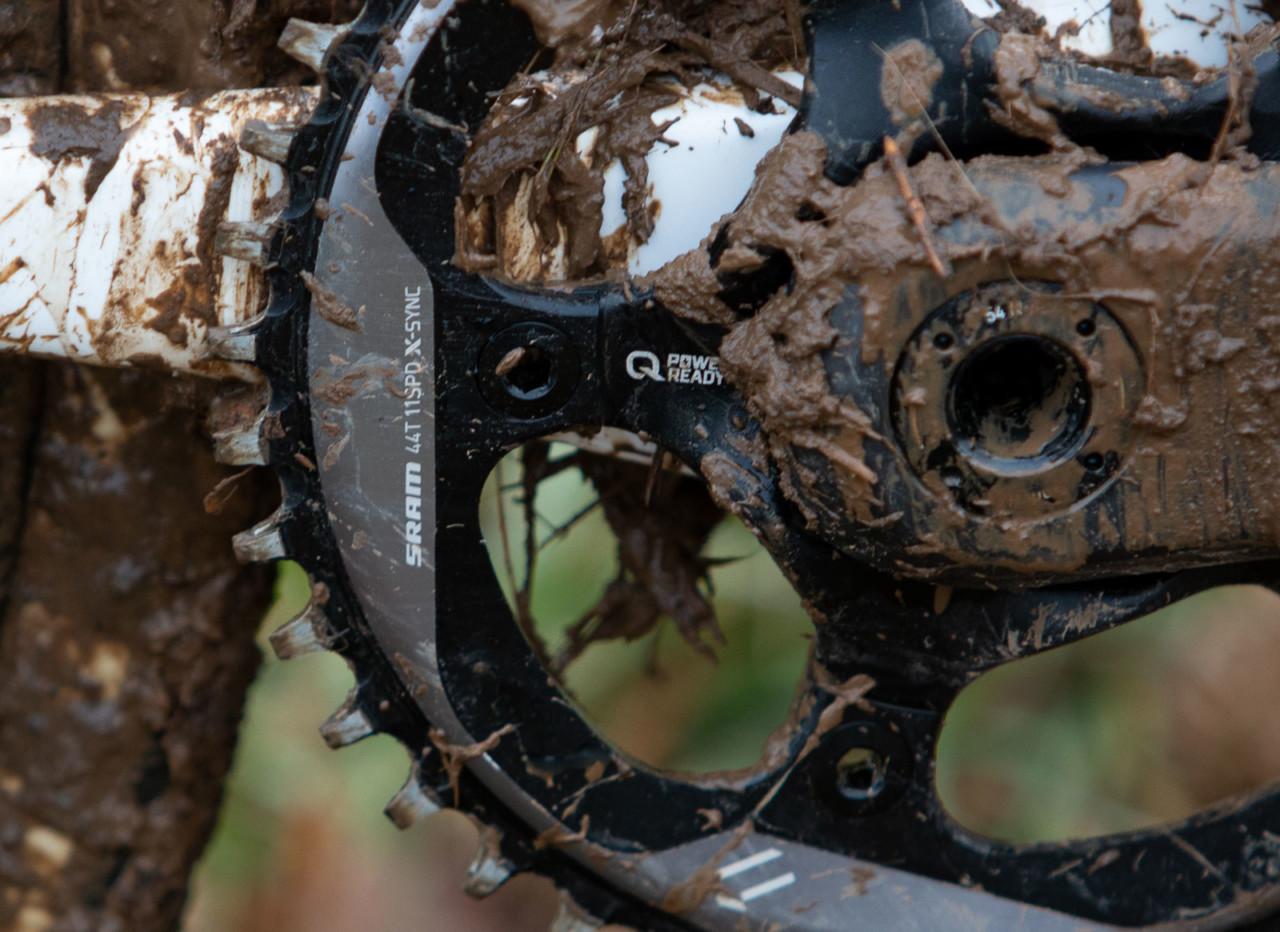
(533, 193)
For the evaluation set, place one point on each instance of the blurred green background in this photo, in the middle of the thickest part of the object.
(1142, 724)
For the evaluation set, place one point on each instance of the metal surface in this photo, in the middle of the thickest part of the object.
(110, 213)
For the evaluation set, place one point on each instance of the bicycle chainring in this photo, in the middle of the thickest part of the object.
(389, 408)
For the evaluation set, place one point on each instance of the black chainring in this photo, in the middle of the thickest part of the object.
(386, 434)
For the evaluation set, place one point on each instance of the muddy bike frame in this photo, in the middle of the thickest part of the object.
(134, 228)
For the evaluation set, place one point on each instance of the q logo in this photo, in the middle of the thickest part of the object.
(642, 364)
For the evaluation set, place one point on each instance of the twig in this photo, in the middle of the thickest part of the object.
(915, 209)
(507, 558)
(431, 119)
(929, 124)
(566, 527)
(655, 473)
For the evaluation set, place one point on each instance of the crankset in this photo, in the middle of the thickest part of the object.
(988, 320)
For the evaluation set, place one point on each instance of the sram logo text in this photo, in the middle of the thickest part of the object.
(413, 555)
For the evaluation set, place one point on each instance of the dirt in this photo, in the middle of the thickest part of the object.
(62, 130)
(122, 688)
(860, 879)
(455, 756)
(907, 76)
(1176, 214)
(559, 837)
(705, 881)
(191, 297)
(181, 45)
(1128, 41)
(329, 306)
(660, 533)
(561, 22)
(851, 692)
(126, 624)
(532, 202)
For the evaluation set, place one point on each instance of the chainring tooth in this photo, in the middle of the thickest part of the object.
(413, 802)
(348, 724)
(571, 917)
(243, 444)
(264, 542)
(268, 141)
(308, 632)
(487, 872)
(277, 343)
(238, 343)
(279, 435)
(311, 43)
(247, 240)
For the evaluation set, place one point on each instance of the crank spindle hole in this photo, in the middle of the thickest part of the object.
(1019, 397)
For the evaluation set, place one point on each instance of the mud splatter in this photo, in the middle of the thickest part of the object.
(331, 307)
(705, 881)
(65, 129)
(455, 756)
(532, 183)
(907, 77)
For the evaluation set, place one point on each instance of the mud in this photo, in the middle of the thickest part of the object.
(561, 22)
(907, 77)
(126, 625)
(660, 533)
(180, 45)
(1184, 480)
(527, 169)
(851, 692)
(559, 837)
(329, 306)
(60, 130)
(860, 879)
(705, 881)
(122, 689)
(1128, 41)
(455, 756)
